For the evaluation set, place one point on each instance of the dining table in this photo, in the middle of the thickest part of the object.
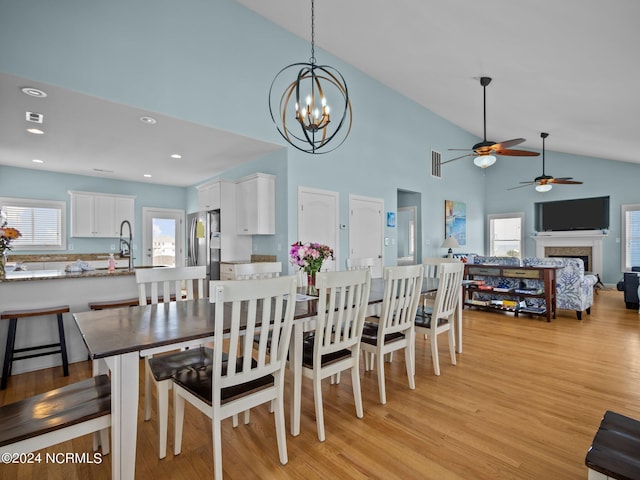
(117, 338)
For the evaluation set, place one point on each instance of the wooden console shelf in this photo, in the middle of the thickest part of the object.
(544, 273)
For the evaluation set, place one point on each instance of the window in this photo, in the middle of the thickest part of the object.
(505, 235)
(630, 237)
(42, 223)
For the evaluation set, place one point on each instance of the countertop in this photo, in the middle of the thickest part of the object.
(61, 274)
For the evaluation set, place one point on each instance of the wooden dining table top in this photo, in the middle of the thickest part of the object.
(117, 331)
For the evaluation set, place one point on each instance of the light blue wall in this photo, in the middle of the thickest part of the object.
(29, 183)
(618, 180)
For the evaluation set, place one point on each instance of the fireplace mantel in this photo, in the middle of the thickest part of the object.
(579, 238)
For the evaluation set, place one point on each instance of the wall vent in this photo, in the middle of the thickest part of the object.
(35, 117)
(436, 159)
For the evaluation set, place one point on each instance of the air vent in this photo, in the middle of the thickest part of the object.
(436, 159)
(35, 117)
(101, 170)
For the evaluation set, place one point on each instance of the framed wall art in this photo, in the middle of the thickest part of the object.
(455, 221)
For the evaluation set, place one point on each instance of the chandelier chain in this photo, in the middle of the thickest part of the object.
(312, 60)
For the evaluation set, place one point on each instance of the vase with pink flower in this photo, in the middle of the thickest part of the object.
(7, 235)
(309, 258)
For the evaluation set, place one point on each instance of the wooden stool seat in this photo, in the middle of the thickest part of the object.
(615, 451)
(57, 416)
(129, 302)
(10, 351)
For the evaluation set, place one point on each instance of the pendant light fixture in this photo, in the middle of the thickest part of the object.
(314, 108)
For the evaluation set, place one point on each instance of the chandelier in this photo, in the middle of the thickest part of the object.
(303, 113)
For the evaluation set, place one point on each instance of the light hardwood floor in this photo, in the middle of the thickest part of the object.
(523, 402)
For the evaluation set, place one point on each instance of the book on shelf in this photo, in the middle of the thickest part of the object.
(502, 289)
(531, 309)
(481, 303)
(509, 303)
(529, 291)
(487, 288)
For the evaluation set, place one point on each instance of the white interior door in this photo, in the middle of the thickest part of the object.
(366, 230)
(162, 237)
(318, 220)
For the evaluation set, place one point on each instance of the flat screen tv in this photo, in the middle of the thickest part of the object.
(577, 214)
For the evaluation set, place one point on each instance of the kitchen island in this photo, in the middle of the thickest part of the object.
(46, 288)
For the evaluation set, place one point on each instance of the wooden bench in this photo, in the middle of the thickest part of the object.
(10, 351)
(615, 451)
(57, 416)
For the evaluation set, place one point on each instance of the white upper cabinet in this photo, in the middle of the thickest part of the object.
(99, 215)
(209, 197)
(255, 205)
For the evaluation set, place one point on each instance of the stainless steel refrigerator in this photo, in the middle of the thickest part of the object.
(203, 242)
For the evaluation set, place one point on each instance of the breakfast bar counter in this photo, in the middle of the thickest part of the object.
(24, 290)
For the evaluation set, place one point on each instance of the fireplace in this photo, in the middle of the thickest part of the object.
(583, 253)
(579, 244)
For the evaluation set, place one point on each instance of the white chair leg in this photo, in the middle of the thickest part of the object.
(357, 393)
(104, 441)
(178, 421)
(281, 434)
(162, 391)
(434, 353)
(147, 389)
(317, 397)
(216, 428)
(408, 359)
(235, 421)
(381, 388)
(452, 346)
(247, 416)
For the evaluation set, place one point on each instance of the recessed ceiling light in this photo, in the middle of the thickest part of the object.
(147, 175)
(35, 131)
(36, 160)
(148, 120)
(33, 92)
(176, 155)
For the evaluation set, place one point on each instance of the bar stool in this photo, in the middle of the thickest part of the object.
(11, 351)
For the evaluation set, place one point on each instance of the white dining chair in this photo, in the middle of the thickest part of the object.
(356, 263)
(157, 285)
(334, 346)
(242, 377)
(257, 270)
(441, 318)
(394, 329)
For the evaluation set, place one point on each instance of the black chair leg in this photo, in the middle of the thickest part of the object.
(579, 314)
(589, 311)
(63, 346)
(8, 353)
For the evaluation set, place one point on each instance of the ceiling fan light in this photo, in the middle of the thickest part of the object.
(484, 161)
(544, 187)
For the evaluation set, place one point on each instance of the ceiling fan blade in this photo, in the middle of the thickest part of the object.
(566, 182)
(457, 158)
(517, 153)
(508, 143)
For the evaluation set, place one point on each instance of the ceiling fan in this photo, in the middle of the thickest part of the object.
(485, 151)
(545, 182)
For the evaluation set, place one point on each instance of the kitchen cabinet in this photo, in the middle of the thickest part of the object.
(209, 197)
(99, 214)
(255, 203)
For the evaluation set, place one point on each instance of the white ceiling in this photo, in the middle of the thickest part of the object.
(567, 67)
(85, 134)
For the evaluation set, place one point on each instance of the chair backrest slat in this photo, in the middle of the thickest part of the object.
(402, 286)
(449, 290)
(154, 283)
(247, 311)
(342, 304)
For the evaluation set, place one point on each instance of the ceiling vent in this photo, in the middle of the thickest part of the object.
(35, 117)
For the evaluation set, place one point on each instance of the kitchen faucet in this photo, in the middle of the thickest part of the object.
(125, 246)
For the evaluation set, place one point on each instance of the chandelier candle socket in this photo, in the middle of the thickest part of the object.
(303, 112)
